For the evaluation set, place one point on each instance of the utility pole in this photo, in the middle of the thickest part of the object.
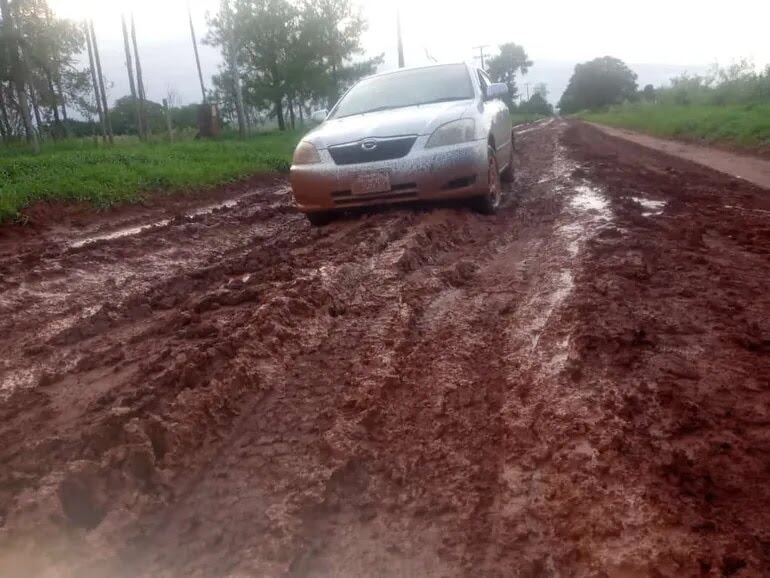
(481, 54)
(103, 92)
(197, 56)
(18, 71)
(132, 85)
(139, 81)
(95, 81)
(400, 41)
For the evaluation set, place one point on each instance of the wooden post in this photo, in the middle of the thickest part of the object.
(139, 81)
(132, 85)
(95, 82)
(102, 91)
(19, 74)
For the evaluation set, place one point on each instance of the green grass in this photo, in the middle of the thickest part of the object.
(742, 126)
(524, 117)
(78, 170)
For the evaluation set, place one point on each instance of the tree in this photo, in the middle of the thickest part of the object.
(537, 104)
(649, 93)
(14, 44)
(512, 59)
(44, 49)
(598, 83)
(286, 54)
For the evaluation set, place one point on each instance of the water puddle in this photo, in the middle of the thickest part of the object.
(653, 208)
(587, 198)
(131, 231)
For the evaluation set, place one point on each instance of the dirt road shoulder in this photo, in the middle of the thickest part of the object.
(751, 169)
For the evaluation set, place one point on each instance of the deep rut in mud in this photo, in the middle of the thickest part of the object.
(576, 386)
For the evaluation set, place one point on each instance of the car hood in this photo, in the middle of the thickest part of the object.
(410, 120)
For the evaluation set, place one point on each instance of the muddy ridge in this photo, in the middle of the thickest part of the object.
(577, 386)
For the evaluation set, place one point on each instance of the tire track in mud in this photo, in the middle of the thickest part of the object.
(408, 392)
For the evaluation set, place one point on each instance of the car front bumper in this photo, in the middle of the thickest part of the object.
(451, 172)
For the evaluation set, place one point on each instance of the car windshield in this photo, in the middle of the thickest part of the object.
(407, 88)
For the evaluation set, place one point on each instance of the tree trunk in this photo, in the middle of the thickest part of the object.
(242, 128)
(279, 113)
(4, 122)
(18, 71)
(139, 81)
(95, 81)
(131, 84)
(291, 112)
(63, 102)
(36, 110)
(57, 131)
(301, 113)
(102, 91)
(169, 125)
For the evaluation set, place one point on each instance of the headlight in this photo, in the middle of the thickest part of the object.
(451, 133)
(306, 154)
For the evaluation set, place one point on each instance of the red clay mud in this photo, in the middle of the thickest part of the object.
(577, 386)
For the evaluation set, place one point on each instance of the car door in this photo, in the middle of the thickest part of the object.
(499, 122)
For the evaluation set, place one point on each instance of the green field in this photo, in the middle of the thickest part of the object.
(79, 170)
(743, 126)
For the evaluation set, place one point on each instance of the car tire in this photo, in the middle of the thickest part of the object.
(489, 203)
(508, 174)
(320, 219)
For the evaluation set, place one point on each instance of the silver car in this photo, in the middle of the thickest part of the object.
(435, 132)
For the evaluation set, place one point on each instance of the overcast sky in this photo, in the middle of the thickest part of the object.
(671, 35)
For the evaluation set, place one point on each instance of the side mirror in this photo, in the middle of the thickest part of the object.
(497, 90)
(319, 116)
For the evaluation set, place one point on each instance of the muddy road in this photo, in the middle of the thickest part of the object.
(577, 386)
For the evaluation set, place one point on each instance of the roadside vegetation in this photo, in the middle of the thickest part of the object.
(727, 106)
(78, 170)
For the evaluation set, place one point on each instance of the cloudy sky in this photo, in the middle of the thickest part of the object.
(659, 38)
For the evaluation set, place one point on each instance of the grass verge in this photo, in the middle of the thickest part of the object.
(745, 127)
(82, 171)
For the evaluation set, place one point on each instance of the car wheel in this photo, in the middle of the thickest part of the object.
(320, 219)
(508, 174)
(490, 202)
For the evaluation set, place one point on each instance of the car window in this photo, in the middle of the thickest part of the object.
(407, 88)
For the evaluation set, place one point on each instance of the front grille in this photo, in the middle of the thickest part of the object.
(386, 149)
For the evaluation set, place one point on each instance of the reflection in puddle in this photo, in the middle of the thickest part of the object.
(130, 231)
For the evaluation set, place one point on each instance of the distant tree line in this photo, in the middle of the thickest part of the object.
(607, 81)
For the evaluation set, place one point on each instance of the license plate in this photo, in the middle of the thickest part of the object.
(374, 182)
